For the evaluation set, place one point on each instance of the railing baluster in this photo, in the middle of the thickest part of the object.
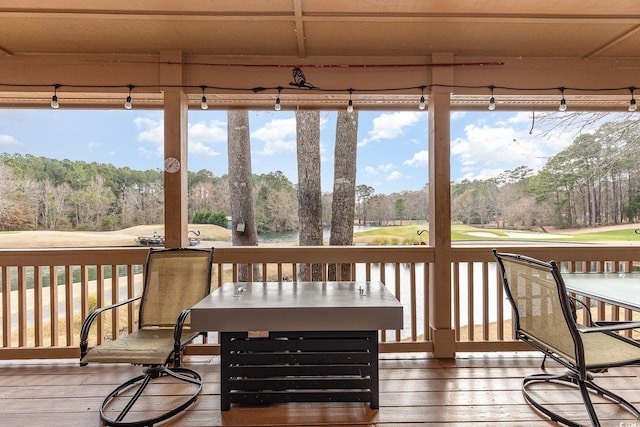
(100, 302)
(456, 300)
(22, 307)
(37, 307)
(6, 307)
(485, 302)
(115, 298)
(68, 295)
(53, 305)
(470, 301)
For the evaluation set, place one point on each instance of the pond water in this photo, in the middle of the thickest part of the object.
(293, 235)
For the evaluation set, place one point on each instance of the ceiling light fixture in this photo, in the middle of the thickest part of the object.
(492, 100)
(350, 104)
(203, 101)
(127, 103)
(54, 98)
(563, 102)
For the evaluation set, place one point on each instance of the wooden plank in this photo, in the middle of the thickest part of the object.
(414, 390)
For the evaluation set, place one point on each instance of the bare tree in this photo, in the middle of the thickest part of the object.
(309, 188)
(344, 187)
(243, 220)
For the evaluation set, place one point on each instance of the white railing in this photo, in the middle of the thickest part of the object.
(41, 285)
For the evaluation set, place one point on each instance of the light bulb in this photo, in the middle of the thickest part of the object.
(203, 103)
(277, 107)
(563, 105)
(54, 102)
(563, 102)
(127, 103)
(632, 105)
(492, 104)
(421, 104)
(350, 107)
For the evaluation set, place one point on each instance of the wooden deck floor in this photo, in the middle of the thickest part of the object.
(472, 390)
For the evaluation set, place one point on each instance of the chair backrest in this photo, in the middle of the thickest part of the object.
(542, 308)
(175, 279)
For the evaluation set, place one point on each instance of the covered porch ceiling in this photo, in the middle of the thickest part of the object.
(383, 50)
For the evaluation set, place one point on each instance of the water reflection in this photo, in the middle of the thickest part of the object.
(293, 235)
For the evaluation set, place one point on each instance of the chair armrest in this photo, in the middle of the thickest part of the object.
(177, 336)
(610, 326)
(575, 302)
(86, 324)
(177, 331)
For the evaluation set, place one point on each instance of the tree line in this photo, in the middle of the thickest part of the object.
(596, 180)
(39, 193)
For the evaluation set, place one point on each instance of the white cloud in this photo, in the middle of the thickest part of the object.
(421, 158)
(201, 136)
(212, 132)
(371, 170)
(390, 126)
(457, 115)
(151, 130)
(92, 145)
(394, 175)
(278, 135)
(486, 150)
(10, 142)
(387, 167)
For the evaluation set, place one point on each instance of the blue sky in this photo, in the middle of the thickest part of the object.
(392, 146)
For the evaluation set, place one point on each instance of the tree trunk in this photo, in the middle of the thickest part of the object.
(344, 188)
(309, 188)
(243, 223)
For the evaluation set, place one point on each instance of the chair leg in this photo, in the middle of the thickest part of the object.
(585, 387)
(141, 382)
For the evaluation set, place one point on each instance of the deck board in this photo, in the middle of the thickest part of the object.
(414, 390)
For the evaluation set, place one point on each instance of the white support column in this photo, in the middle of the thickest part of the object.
(440, 209)
(175, 145)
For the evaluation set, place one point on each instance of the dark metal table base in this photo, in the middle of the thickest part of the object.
(339, 366)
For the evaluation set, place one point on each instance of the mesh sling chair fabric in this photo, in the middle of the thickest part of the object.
(175, 279)
(545, 318)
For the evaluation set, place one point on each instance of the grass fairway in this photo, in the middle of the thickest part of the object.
(408, 235)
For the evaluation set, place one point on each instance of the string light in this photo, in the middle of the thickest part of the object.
(203, 101)
(127, 103)
(563, 102)
(632, 106)
(421, 104)
(492, 100)
(350, 104)
(277, 107)
(54, 98)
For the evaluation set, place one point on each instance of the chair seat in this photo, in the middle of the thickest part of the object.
(147, 346)
(604, 350)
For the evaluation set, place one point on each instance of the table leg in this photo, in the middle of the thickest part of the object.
(375, 381)
(225, 387)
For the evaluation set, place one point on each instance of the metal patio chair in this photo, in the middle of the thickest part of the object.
(545, 319)
(174, 280)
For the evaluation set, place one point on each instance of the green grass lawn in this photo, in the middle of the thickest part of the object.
(403, 235)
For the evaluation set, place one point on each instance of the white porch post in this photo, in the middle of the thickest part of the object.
(175, 145)
(440, 209)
